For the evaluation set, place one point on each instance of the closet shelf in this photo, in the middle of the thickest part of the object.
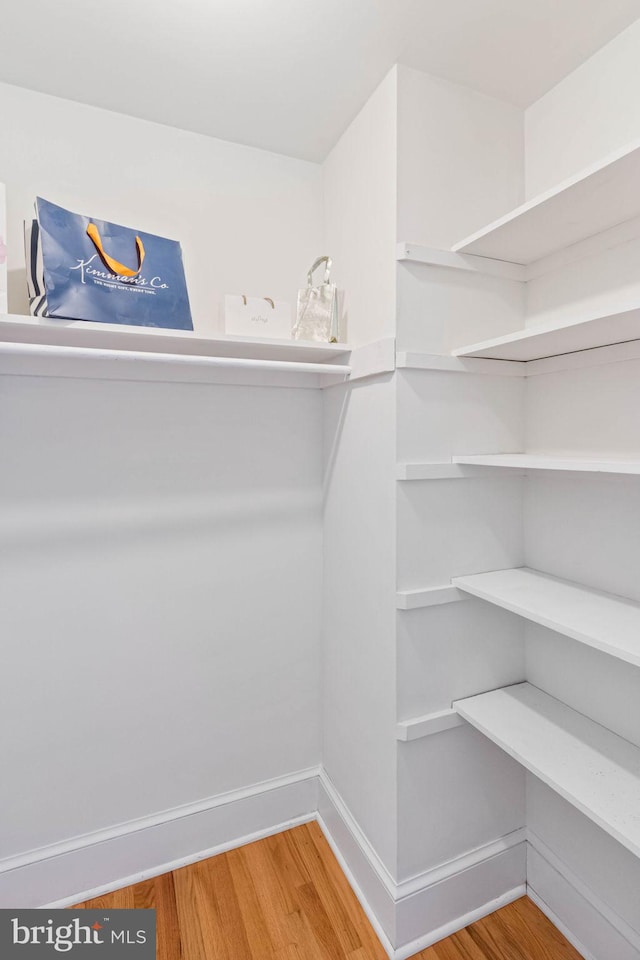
(108, 336)
(33, 346)
(432, 257)
(591, 767)
(599, 197)
(601, 620)
(540, 342)
(531, 461)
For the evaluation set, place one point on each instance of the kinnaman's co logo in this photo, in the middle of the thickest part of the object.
(65, 937)
(87, 270)
(116, 273)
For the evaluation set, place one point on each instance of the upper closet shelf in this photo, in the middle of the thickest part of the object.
(595, 770)
(535, 461)
(599, 197)
(601, 620)
(539, 342)
(34, 346)
(78, 333)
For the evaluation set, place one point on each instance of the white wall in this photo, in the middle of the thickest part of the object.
(359, 698)
(460, 165)
(249, 221)
(584, 528)
(460, 159)
(360, 212)
(162, 556)
(358, 688)
(159, 597)
(447, 528)
(589, 114)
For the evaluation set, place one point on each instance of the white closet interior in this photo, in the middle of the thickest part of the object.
(391, 583)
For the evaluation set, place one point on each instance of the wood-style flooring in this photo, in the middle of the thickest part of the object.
(286, 898)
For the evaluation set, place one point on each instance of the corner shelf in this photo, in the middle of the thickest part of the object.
(553, 340)
(599, 197)
(531, 461)
(595, 770)
(36, 346)
(600, 620)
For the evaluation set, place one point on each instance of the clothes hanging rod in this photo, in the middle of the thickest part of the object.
(54, 352)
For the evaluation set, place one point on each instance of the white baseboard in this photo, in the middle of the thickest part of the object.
(369, 878)
(588, 923)
(444, 907)
(408, 916)
(462, 920)
(411, 915)
(96, 863)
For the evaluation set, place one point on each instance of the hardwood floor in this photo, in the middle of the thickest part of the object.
(286, 898)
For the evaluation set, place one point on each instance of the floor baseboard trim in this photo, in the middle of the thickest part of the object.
(71, 871)
(590, 924)
(557, 922)
(177, 864)
(367, 849)
(406, 888)
(421, 943)
(428, 939)
(407, 916)
(50, 851)
(465, 861)
(414, 914)
(355, 886)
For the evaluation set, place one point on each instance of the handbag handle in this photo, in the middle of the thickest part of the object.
(327, 272)
(114, 265)
(268, 299)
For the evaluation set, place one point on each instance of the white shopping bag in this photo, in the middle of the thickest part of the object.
(317, 313)
(257, 317)
(4, 308)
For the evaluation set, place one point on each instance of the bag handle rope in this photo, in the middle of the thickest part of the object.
(118, 268)
(268, 299)
(327, 272)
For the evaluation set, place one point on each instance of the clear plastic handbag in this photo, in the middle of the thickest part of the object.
(317, 313)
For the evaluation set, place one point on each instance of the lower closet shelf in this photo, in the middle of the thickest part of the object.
(542, 461)
(591, 767)
(604, 621)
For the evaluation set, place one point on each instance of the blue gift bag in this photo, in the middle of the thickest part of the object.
(81, 268)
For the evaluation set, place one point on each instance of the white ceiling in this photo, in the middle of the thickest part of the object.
(289, 75)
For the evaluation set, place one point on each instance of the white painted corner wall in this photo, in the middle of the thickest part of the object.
(159, 598)
(460, 165)
(460, 159)
(583, 530)
(228, 472)
(591, 113)
(359, 181)
(249, 221)
(358, 648)
(585, 882)
(162, 543)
